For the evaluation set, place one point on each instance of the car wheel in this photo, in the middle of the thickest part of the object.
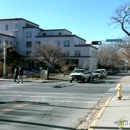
(88, 80)
(83, 80)
(92, 79)
(70, 81)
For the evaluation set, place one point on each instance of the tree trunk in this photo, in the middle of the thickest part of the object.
(48, 68)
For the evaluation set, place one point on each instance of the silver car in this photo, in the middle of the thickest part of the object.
(104, 72)
(98, 74)
(80, 75)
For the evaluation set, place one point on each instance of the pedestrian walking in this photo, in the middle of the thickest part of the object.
(15, 75)
(20, 75)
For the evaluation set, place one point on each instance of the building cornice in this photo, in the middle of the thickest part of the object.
(83, 45)
(60, 36)
(57, 30)
(13, 19)
(33, 28)
(6, 35)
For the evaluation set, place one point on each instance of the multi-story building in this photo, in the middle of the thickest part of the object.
(24, 35)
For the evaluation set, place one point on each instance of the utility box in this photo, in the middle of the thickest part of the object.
(43, 74)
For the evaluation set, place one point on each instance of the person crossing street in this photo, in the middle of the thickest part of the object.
(15, 75)
(20, 75)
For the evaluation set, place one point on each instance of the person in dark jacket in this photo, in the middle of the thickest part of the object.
(15, 74)
(20, 75)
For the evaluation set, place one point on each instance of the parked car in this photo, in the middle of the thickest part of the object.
(110, 71)
(92, 76)
(80, 75)
(98, 74)
(104, 72)
(30, 72)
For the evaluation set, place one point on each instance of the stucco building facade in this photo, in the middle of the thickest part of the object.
(24, 35)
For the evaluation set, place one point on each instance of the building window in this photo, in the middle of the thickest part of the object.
(28, 44)
(6, 42)
(11, 43)
(74, 61)
(6, 27)
(15, 44)
(28, 34)
(16, 34)
(57, 43)
(77, 42)
(44, 34)
(28, 53)
(66, 43)
(60, 33)
(77, 53)
(16, 25)
(38, 43)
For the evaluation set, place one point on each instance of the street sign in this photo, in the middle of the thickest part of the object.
(113, 40)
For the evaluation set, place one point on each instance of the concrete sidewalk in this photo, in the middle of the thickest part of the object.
(115, 113)
(38, 80)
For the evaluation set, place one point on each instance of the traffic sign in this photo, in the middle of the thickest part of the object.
(113, 40)
(96, 42)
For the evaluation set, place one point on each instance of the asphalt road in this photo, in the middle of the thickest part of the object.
(52, 106)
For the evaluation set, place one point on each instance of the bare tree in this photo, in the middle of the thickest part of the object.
(125, 49)
(121, 17)
(49, 53)
(108, 56)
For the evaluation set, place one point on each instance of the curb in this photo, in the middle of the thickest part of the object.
(99, 115)
(36, 81)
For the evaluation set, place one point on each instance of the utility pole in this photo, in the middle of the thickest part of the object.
(4, 65)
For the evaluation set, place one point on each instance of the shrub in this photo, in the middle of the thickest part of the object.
(66, 68)
(8, 69)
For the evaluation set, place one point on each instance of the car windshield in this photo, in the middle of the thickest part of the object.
(97, 71)
(78, 71)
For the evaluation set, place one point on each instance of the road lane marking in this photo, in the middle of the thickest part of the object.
(76, 94)
(9, 95)
(65, 97)
(81, 98)
(44, 100)
(5, 86)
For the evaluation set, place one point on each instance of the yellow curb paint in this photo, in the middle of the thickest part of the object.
(16, 107)
(95, 122)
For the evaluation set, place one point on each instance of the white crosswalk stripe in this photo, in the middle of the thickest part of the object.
(55, 97)
(5, 86)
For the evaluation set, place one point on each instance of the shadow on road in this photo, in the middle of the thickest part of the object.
(37, 124)
(63, 85)
(43, 104)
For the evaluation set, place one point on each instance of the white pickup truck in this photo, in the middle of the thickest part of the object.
(80, 75)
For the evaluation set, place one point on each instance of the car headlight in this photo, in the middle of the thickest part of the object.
(82, 75)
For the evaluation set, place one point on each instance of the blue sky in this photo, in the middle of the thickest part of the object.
(87, 19)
